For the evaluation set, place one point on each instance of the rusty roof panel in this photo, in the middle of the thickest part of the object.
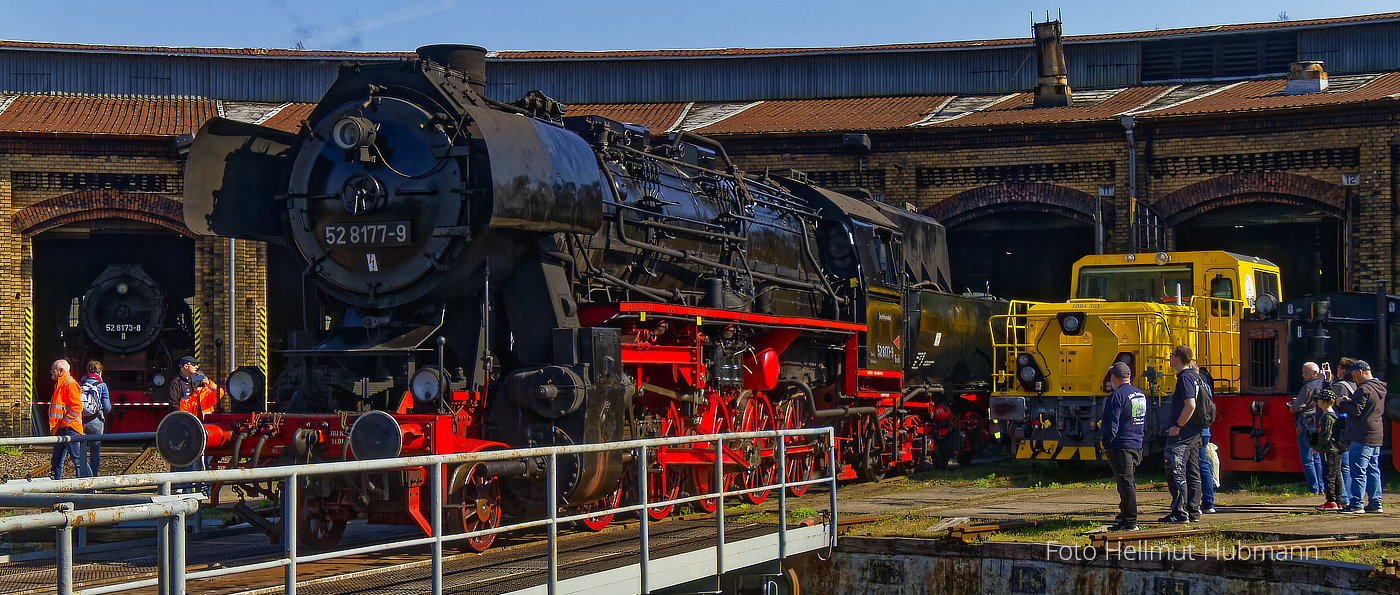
(824, 115)
(1268, 95)
(287, 118)
(199, 51)
(657, 117)
(1019, 111)
(98, 115)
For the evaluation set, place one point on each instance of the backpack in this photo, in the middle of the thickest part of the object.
(1204, 415)
(92, 400)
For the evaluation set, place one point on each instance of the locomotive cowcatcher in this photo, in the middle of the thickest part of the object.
(1052, 359)
(482, 276)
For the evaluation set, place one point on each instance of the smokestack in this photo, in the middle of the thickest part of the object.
(470, 60)
(1304, 78)
(1052, 86)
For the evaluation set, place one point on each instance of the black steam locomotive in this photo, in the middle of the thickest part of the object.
(126, 320)
(492, 275)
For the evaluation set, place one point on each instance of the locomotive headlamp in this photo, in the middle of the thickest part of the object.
(428, 385)
(1163, 258)
(244, 383)
(352, 132)
(1071, 323)
(158, 380)
(1028, 373)
(123, 288)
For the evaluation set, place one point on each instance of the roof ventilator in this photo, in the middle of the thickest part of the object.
(1052, 86)
(1305, 77)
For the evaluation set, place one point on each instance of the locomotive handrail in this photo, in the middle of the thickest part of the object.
(171, 560)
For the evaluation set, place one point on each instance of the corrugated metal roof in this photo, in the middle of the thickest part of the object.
(868, 113)
(147, 116)
(98, 115)
(948, 45)
(1268, 95)
(657, 117)
(197, 51)
(288, 117)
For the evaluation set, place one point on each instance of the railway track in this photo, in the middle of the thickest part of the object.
(517, 561)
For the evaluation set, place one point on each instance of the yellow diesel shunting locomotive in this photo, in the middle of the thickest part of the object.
(1050, 360)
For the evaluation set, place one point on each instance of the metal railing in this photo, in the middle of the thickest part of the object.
(171, 510)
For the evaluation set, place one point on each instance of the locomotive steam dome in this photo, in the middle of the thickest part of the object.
(123, 310)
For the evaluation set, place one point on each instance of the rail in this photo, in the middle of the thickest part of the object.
(37, 440)
(170, 510)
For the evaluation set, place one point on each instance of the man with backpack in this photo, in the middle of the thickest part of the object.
(97, 403)
(1365, 409)
(1184, 440)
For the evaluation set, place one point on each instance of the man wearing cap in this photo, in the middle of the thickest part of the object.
(1120, 434)
(190, 391)
(1365, 409)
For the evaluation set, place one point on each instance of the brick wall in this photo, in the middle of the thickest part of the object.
(99, 180)
(1299, 158)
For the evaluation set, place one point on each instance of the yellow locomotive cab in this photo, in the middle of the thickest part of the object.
(1050, 360)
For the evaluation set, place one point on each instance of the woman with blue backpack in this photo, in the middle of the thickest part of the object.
(97, 403)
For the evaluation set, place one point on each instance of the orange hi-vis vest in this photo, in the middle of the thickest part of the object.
(201, 400)
(66, 405)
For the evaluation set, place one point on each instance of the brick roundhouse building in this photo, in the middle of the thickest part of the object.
(1274, 139)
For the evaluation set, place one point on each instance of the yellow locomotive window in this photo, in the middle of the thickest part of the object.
(1134, 284)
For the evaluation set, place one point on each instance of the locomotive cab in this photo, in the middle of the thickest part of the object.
(1051, 359)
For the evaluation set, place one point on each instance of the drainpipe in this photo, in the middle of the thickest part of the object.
(1128, 122)
(232, 293)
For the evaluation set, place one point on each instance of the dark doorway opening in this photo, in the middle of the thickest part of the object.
(1019, 255)
(67, 260)
(1307, 245)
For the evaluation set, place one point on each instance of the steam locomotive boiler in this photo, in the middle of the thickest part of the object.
(126, 320)
(490, 276)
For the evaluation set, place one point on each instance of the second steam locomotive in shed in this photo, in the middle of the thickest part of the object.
(491, 276)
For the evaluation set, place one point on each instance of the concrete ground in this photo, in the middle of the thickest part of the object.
(1237, 510)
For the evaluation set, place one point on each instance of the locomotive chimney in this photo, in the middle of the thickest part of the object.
(1052, 86)
(467, 59)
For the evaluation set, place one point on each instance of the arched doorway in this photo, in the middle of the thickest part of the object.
(78, 240)
(1306, 244)
(1298, 223)
(1017, 240)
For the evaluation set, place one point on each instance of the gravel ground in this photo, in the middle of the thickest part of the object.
(33, 461)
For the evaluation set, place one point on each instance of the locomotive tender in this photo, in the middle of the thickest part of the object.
(491, 276)
(1051, 359)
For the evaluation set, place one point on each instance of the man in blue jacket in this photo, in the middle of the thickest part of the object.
(1121, 434)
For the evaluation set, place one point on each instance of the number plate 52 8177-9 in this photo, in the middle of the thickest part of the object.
(368, 234)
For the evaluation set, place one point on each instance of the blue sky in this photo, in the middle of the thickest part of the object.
(402, 25)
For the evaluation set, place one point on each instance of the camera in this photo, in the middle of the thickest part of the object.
(197, 380)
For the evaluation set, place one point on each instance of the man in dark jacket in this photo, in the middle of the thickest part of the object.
(1365, 410)
(1121, 434)
(1183, 441)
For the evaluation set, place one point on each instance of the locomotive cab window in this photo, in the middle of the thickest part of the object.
(1266, 283)
(887, 257)
(1133, 284)
(1222, 287)
(1395, 343)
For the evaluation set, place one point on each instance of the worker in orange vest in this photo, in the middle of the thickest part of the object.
(66, 419)
(191, 392)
